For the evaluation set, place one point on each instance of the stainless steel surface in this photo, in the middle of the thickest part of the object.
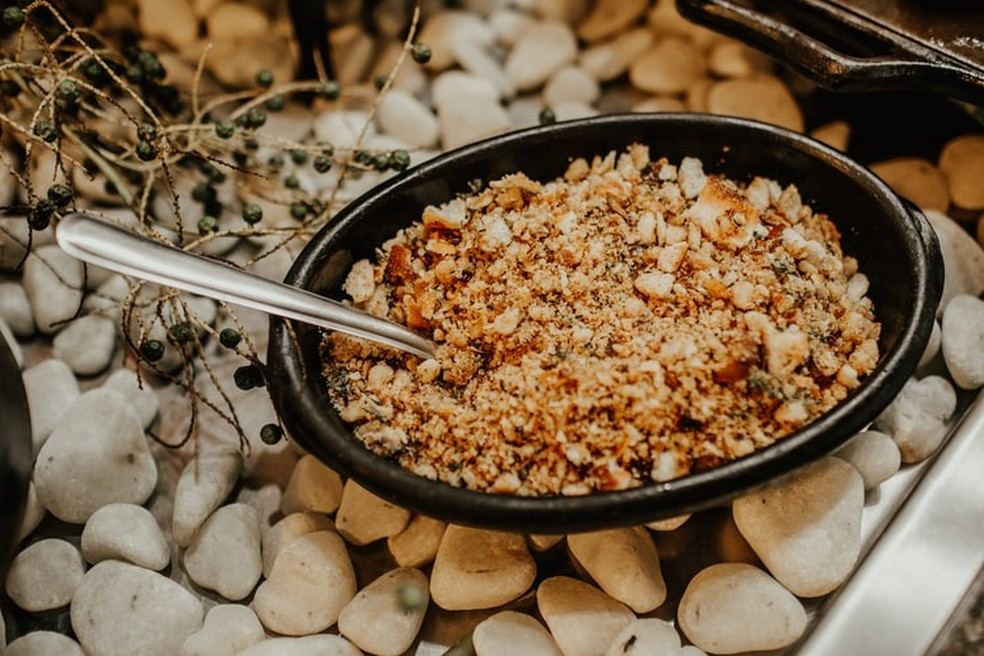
(113, 248)
(902, 594)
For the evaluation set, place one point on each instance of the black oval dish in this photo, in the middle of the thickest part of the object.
(16, 457)
(895, 246)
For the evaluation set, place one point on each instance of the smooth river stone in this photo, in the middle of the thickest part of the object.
(224, 554)
(668, 524)
(287, 530)
(53, 283)
(143, 401)
(375, 621)
(43, 643)
(121, 609)
(311, 582)
(610, 17)
(646, 637)
(917, 418)
(730, 608)
(963, 258)
(15, 309)
(97, 455)
(45, 575)
(313, 486)
(542, 49)
(204, 484)
(417, 544)
(318, 645)
(363, 517)
(582, 619)
(123, 531)
(515, 634)
(807, 527)
(86, 344)
(477, 569)
(874, 454)
(228, 629)
(624, 563)
(51, 389)
(963, 340)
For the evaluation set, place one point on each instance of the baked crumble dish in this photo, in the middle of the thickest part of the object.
(631, 322)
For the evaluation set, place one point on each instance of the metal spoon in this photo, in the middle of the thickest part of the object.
(96, 242)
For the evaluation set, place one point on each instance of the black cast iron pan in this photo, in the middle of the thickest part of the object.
(894, 244)
(16, 458)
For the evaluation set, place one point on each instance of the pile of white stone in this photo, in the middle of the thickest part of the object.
(263, 541)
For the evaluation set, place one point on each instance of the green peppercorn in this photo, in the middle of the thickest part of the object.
(399, 160)
(255, 117)
(249, 143)
(212, 172)
(362, 157)
(225, 129)
(152, 350)
(410, 597)
(147, 131)
(275, 103)
(298, 156)
(547, 116)
(146, 150)
(203, 193)
(264, 77)
(93, 71)
(276, 161)
(299, 210)
(252, 213)
(134, 73)
(68, 90)
(13, 17)
(247, 377)
(381, 161)
(230, 338)
(40, 214)
(46, 131)
(380, 81)
(151, 65)
(207, 224)
(61, 195)
(291, 182)
(330, 90)
(240, 158)
(421, 53)
(181, 333)
(271, 434)
(322, 164)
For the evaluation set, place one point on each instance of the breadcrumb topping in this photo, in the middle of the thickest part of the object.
(632, 322)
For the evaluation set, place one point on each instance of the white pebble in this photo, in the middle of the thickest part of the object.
(44, 576)
(341, 129)
(224, 554)
(609, 60)
(51, 389)
(734, 607)
(15, 309)
(417, 544)
(143, 401)
(469, 120)
(86, 344)
(318, 645)
(123, 531)
(646, 637)
(932, 346)
(476, 568)
(171, 21)
(121, 609)
(542, 542)
(515, 634)
(376, 622)
(963, 258)
(97, 455)
(807, 527)
(311, 582)
(963, 340)
(363, 517)
(7, 336)
(571, 110)
(456, 86)
(33, 514)
(53, 283)
(875, 456)
(313, 486)
(582, 619)
(670, 67)
(204, 484)
(42, 643)
(541, 50)
(571, 83)
(668, 524)
(228, 629)
(444, 28)
(406, 118)
(624, 563)
(287, 530)
(917, 418)
(474, 58)
(508, 25)
(610, 17)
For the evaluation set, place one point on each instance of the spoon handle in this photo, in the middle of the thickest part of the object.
(105, 245)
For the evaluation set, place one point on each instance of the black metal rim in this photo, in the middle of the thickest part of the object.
(293, 374)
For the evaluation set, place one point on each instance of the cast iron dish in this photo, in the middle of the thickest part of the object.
(16, 458)
(894, 244)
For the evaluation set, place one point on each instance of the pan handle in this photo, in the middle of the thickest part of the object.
(913, 69)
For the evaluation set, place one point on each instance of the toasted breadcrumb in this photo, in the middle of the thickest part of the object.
(631, 322)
